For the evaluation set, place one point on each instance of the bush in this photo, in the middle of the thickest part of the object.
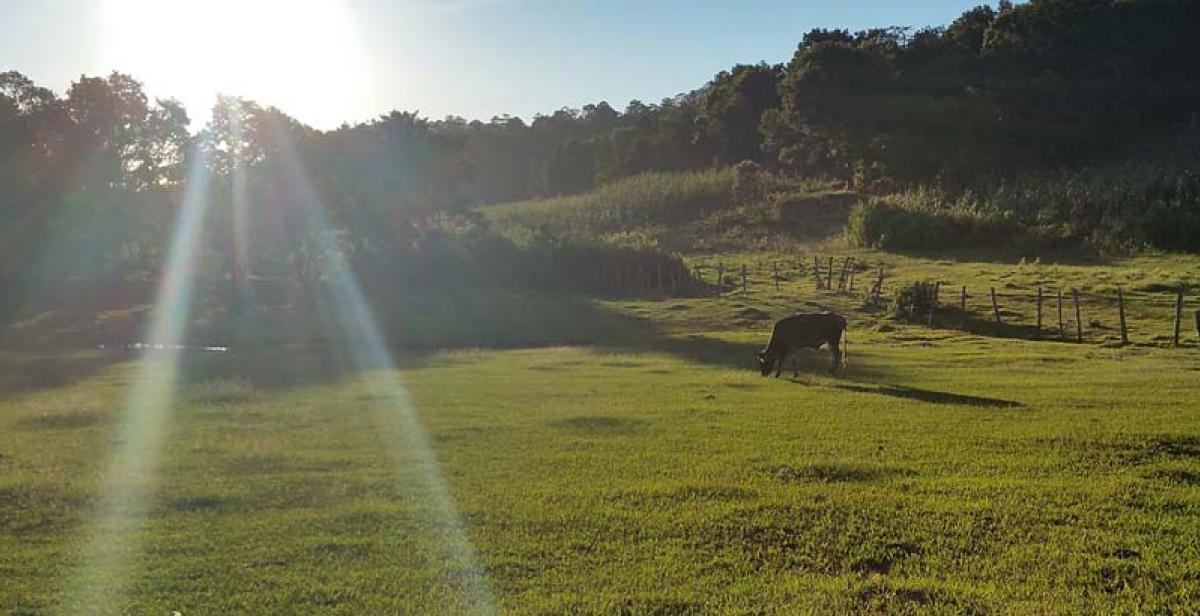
(923, 220)
(748, 182)
(470, 254)
(913, 301)
(812, 214)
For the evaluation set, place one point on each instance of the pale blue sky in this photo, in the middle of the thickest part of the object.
(326, 61)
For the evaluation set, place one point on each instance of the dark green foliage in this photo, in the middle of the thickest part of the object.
(1153, 202)
(915, 221)
(1042, 84)
(734, 102)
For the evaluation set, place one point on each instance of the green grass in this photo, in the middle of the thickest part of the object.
(948, 471)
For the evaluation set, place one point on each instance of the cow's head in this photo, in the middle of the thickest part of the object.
(764, 363)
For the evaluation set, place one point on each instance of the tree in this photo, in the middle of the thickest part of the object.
(732, 108)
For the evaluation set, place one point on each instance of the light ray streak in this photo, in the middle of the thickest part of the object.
(112, 540)
(397, 418)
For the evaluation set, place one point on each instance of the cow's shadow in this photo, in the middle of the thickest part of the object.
(928, 395)
(865, 372)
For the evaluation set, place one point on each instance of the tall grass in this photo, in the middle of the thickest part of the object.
(929, 219)
(1118, 208)
(634, 202)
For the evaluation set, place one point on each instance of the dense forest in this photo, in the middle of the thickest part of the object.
(1063, 119)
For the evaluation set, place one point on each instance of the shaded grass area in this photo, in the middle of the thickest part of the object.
(417, 318)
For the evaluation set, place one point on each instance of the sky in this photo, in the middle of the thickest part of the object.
(332, 61)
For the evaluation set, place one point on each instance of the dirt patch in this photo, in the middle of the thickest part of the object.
(691, 493)
(651, 605)
(833, 473)
(62, 421)
(1176, 475)
(1128, 450)
(221, 391)
(197, 503)
(37, 509)
(600, 424)
(751, 314)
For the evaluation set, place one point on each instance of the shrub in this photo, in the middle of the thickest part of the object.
(748, 182)
(923, 220)
(913, 301)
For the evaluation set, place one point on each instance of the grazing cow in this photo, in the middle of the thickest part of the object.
(804, 331)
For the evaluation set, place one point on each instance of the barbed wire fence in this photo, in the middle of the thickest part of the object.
(1048, 312)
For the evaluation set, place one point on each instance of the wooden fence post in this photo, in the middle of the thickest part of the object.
(995, 307)
(743, 279)
(1121, 312)
(1039, 312)
(1078, 319)
(1062, 331)
(829, 274)
(851, 280)
(721, 274)
(1178, 314)
(817, 272)
(775, 273)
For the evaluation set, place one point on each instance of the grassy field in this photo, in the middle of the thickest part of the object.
(947, 471)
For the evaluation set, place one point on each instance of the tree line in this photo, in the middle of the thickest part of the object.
(90, 180)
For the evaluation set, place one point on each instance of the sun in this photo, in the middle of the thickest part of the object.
(302, 56)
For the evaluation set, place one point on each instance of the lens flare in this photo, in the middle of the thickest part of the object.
(399, 426)
(129, 479)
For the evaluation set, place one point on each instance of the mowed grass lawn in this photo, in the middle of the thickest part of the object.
(945, 472)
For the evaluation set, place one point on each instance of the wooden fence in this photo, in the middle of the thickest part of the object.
(1041, 312)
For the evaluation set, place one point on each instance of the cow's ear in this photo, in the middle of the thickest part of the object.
(762, 355)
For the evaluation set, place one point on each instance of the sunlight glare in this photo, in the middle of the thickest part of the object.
(302, 55)
(396, 418)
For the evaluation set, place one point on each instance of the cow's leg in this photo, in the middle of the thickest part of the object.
(835, 356)
(779, 359)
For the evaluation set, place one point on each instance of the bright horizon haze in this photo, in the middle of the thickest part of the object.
(327, 62)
